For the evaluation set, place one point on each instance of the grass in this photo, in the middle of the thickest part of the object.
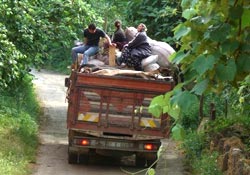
(19, 112)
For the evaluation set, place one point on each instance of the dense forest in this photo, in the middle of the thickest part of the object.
(211, 39)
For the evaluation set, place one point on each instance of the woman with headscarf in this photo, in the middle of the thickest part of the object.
(136, 50)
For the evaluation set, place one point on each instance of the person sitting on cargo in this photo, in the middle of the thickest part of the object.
(136, 50)
(90, 45)
(119, 38)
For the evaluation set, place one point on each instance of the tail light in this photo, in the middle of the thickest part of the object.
(83, 142)
(150, 146)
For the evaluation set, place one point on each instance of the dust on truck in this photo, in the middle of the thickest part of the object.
(108, 115)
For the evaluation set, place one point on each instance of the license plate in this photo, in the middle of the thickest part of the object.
(112, 144)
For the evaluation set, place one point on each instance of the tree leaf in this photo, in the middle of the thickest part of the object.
(243, 63)
(219, 33)
(151, 171)
(184, 100)
(245, 20)
(180, 31)
(174, 112)
(200, 87)
(179, 56)
(157, 105)
(188, 3)
(155, 110)
(204, 63)
(226, 72)
(188, 13)
(189, 74)
(178, 132)
(235, 12)
(247, 80)
(228, 46)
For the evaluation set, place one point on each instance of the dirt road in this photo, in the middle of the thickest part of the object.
(52, 153)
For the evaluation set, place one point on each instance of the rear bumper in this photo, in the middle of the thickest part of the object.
(114, 144)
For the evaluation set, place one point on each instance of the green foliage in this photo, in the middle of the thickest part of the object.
(224, 126)
(34, 32)
(184, 99)
(241, 104)
(190, 120)
(109, 11)
(151, 171)
(200, 160)
(64, 23)
(207, 164)
(160, 17)
(193, 145)
(219, 125)
(215, 37)
(219, 102)
(214, 54)
(178, 132)
(181, 106)
(18, 128)
(13, 64)
(196, 145)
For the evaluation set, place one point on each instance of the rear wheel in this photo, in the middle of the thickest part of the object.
(72, 158)
(152, 163)
(84, 158)
(140, 161)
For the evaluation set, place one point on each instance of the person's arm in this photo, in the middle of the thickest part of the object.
(109, 40)
(85, 39)
(139, 39)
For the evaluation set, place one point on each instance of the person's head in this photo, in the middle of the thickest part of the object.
(92, 28)
(141, 27)
(118, 23)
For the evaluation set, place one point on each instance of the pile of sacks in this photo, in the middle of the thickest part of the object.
(149, 64)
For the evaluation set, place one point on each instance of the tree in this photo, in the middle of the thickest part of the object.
(160, 16)
(34, 31)
(214, 52)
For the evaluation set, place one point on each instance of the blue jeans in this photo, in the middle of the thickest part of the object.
(86, 50)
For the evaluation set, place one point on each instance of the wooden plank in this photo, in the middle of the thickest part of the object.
(125, 83)
(112, 55)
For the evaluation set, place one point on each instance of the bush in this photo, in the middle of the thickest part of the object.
(198, 158)
(18, 129)
(193, 145)
(207, 164)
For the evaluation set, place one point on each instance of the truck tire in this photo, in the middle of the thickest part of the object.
(151, 163)
(140, 161)
(84, 158)
(72, 158)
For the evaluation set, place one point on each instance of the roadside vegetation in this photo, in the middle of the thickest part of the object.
(19, 111)
(212, 43)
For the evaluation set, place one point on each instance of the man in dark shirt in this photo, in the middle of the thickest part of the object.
(119, 37)
(90, 47)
